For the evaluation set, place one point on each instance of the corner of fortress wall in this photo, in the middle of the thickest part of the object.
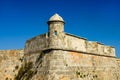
(68, 42)
(67, 59)
(57, 55)
(10, 62)
(72, 58)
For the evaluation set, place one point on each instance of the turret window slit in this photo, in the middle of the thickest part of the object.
(55, 33)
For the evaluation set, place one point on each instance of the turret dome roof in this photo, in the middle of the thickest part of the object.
(56, 17)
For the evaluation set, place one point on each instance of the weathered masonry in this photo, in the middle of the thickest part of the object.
(57, 55)
(69, 57)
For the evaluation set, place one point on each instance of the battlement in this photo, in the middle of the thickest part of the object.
(68, 42)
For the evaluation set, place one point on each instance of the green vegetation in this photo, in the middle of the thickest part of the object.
(21, 59)
(95, 76)
(6, 78)
(77, 72)
(82, 75)
(26, 72)
(16, 67)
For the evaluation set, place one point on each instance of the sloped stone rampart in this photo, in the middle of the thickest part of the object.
(69, 65)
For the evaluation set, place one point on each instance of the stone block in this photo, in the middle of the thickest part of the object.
(92, 47)
(100, 49)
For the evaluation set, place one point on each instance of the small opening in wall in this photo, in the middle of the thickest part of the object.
(48, 34)
(55, 33)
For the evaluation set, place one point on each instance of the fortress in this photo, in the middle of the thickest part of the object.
(57, 55)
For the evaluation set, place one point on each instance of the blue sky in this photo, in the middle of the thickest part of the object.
(96, 20)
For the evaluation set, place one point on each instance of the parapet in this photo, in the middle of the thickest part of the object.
(70, 43)
(37, 43)
(100, 49)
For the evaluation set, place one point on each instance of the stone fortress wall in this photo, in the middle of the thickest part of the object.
(69, 42)
(37, 43)
(69, 57)
(57, 55)
(10, 62)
